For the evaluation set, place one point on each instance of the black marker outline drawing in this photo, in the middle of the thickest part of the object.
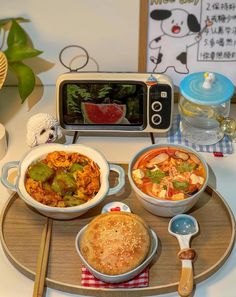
(182, 30)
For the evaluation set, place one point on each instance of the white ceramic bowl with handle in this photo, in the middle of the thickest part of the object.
(40, 152)
(162, 207)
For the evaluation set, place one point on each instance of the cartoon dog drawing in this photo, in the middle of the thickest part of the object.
(180, 31)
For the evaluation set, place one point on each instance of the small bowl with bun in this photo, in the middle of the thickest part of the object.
(168, 179)
(116, 246)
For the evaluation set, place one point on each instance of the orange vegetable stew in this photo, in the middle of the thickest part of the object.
(169, 173)
(63, 179)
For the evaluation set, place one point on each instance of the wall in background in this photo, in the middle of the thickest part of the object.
(108, 29)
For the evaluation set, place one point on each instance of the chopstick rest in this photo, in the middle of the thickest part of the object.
(42, 259)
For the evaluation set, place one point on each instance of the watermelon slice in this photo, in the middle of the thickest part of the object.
(111, 113)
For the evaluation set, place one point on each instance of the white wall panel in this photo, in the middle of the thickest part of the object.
(108, 29)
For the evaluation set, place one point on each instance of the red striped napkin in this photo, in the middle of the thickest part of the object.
(88, 280)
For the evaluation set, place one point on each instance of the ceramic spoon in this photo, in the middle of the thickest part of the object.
(183, 227)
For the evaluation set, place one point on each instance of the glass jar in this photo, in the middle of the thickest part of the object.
(203, 104)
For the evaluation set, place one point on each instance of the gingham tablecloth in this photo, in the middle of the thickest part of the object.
(88, 280)
(174, 136)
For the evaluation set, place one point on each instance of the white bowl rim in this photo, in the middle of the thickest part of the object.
(143, 265)
(72, 209)
(157, 201)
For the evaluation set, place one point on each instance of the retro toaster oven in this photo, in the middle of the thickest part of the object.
(114, 102)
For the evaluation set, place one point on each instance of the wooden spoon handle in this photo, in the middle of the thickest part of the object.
(186, 280)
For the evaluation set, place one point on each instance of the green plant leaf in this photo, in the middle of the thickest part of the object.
(3, 22)
(19, 48)
(19, 53)
(7, 20)
(16, 36)
(103, 92)
(84, 93)
(26, 79)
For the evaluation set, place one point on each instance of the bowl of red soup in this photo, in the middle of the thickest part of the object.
(62, 181)
(168, 179)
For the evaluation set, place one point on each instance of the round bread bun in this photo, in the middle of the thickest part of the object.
(115, 242)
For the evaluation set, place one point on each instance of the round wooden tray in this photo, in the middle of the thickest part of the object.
(21, 229)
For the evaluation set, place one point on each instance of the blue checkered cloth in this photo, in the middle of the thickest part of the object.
(224, 146)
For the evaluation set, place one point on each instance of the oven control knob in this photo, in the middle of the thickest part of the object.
(156, 106)
(156, 119)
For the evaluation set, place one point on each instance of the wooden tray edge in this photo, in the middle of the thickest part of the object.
(105, 292)
(23, 269)
(206, 274)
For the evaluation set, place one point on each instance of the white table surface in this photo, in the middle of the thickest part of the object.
(116, 149)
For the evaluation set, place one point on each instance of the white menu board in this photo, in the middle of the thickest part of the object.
(187, 36)
(219, 41)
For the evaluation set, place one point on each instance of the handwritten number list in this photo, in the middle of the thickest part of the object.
(219, 41)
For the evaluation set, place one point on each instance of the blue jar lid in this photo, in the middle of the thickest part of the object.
(207, 88)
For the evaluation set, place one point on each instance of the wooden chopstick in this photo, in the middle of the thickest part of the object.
(42, 259)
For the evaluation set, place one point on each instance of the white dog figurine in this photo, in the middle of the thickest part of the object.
(42, 128)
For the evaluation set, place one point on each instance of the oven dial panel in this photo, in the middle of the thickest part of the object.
(160, 98)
